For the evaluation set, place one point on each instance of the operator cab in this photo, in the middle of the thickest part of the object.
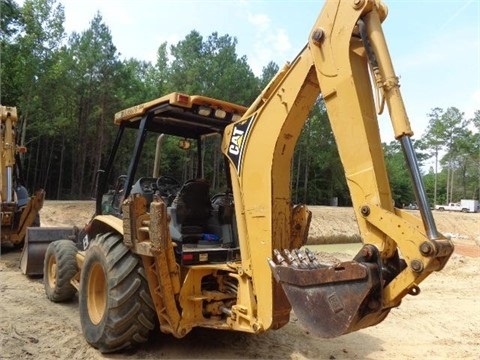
(193, 182)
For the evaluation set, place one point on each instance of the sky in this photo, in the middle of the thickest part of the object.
(434, 44)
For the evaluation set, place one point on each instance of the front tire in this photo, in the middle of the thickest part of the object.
(59, 267)
(116, 310)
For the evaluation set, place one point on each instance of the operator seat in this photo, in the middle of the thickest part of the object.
(190, 211)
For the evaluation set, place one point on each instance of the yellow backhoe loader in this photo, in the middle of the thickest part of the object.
(19, 210)
(162, 251)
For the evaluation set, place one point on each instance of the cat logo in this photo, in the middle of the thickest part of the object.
(238, 140)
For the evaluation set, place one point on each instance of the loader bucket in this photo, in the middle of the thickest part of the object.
(331, 300)
(37, 240)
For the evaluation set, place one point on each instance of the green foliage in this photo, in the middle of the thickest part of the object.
(454, 142)
(318, 175)
(268, 72)
(398, 175)
(67, 88)
(211, 68)
(9, 20)
(9, 27)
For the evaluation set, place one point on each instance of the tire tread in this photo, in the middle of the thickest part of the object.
(65, 252)
(130, 314)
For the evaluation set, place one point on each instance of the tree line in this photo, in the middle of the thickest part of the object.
(67, 88)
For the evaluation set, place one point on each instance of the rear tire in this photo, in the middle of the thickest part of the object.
(59, 267)
(116, 310)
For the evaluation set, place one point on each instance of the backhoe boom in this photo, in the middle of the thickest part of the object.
(346, 46)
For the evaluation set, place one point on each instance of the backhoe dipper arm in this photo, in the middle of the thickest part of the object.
(346, 43)
(8, 147)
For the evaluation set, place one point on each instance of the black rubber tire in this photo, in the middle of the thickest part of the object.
(116, 309)
(59, 267)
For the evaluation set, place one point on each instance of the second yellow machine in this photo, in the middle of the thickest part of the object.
(19, 210)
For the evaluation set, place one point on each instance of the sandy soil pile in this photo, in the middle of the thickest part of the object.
(443, 322)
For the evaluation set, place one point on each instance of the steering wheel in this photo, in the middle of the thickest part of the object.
(167, 180)
(168, 187)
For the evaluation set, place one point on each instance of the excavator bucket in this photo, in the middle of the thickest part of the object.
(332, 300)
(37, 240)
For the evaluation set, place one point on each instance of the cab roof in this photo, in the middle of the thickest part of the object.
(190, 116)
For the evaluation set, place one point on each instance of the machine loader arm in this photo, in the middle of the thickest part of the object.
(345, 61)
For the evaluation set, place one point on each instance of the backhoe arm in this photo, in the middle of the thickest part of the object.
(346, 49)
(8, 116)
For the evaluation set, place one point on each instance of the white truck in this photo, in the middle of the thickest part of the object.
(465, 205)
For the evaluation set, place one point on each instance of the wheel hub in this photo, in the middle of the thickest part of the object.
(97, 294)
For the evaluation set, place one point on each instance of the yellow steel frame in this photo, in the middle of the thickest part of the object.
(260, 148)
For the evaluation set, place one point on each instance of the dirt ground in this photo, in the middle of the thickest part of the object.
(443, 322)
